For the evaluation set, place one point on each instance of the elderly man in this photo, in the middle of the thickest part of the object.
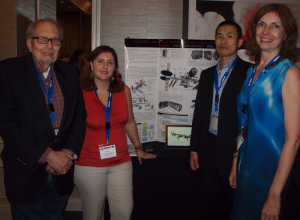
(215, 129)
(42, 122)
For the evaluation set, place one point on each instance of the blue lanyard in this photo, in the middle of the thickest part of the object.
(248, 90)
(107, 111)
(48, 93)
(217, 87)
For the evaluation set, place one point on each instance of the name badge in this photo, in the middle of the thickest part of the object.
(213, 126)
(241, 137)
(107, 151)
(239, 141)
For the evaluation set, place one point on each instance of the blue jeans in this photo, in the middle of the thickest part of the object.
(49, 207)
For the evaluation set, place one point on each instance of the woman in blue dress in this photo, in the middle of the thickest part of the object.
(269, 117)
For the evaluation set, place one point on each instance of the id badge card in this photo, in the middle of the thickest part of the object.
(107, 151)
(213, 126)
(239, 141)
(241, 137)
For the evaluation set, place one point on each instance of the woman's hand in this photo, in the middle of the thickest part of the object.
(271, 208)
(143, 155)
(232, 176)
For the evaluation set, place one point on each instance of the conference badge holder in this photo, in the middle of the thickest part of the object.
(107, 151)
(241, 137)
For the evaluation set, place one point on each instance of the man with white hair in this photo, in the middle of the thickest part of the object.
(42, 122)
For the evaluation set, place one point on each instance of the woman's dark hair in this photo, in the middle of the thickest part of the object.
(75, 55)
(287, 49)
(87, 77)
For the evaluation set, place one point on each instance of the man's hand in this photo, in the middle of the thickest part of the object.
(59, 162)
(50, 170)
(194, 161)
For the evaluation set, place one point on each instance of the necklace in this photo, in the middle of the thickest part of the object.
(260, 66)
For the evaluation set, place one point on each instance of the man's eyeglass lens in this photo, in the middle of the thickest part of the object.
(45, 40)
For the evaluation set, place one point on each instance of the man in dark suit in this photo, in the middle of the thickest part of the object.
(42, 123)
(215, 124)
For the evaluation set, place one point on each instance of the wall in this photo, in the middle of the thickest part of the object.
(139, 19)
(25, 15)
(8, 32)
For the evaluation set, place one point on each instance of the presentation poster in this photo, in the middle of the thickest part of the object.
(163, 76)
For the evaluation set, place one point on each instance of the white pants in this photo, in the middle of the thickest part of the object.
(96, 183)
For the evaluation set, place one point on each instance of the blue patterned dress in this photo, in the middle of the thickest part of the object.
(260, 152)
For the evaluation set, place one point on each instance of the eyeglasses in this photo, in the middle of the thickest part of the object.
(45, 40)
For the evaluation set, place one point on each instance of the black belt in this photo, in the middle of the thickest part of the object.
(212, 136)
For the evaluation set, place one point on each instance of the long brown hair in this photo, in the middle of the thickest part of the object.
(287, 49)
(87, 76)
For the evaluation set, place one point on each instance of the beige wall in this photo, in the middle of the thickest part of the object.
(8, 30)
(26, 14)
(15, 15)
(139, 19)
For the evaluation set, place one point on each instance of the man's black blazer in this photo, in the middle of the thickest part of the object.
(27, 130)
(227, 122)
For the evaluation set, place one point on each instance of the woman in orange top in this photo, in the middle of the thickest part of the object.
(104, 168)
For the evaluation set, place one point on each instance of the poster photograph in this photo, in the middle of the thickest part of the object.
(178, 136)
(204, 17)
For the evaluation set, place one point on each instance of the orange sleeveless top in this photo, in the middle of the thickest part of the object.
(95, 130)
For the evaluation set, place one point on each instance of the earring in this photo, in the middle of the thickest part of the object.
(112, 78)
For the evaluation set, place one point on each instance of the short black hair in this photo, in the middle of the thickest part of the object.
(231, 23)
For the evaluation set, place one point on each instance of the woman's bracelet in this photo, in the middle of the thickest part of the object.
(138, 148)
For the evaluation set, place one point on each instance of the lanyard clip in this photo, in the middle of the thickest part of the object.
(216, 98)
(244, 108)
(51, 108)
(107, 125)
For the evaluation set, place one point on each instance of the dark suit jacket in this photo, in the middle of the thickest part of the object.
(27, 130)
(227, 122)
